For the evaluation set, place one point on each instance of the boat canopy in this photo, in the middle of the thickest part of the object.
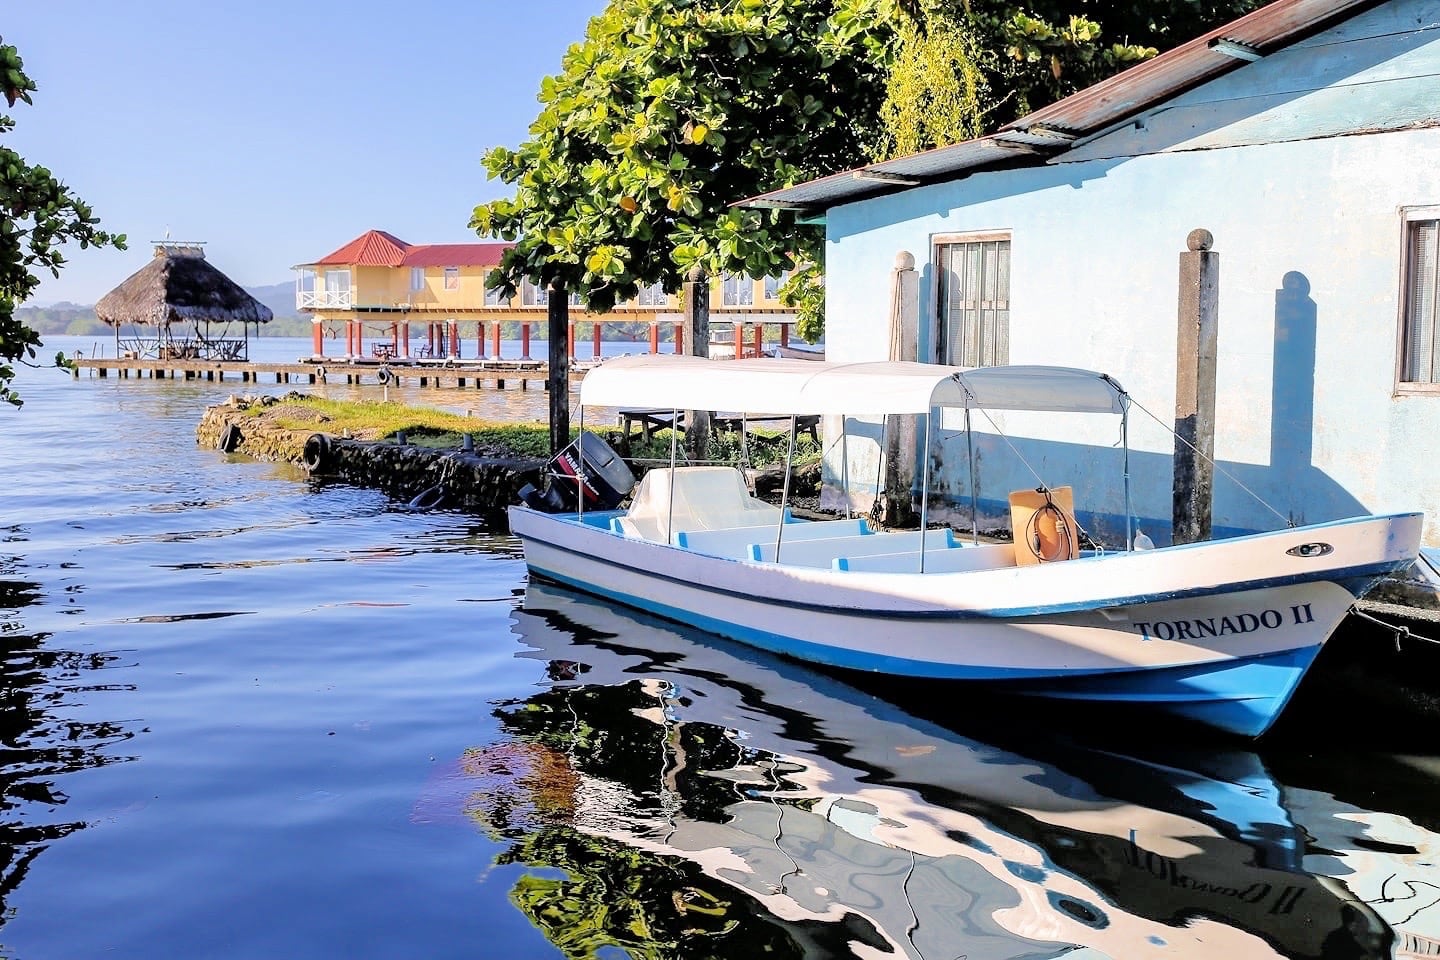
(801, 387)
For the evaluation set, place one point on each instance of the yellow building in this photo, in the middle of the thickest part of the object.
(384, 292)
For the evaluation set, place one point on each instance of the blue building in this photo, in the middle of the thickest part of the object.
(1304, 138)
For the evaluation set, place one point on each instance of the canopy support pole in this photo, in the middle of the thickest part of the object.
(785, 489)
(1125, 442)
(925, 490)
(670, 516)
(974, 500)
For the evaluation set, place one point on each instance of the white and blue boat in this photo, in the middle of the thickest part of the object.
(1220, 632)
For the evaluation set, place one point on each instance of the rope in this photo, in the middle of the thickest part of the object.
(1062, 530)
(1399, 630)
(1289, 522)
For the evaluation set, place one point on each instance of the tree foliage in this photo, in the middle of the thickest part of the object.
(671, 110)
(667, 113)
(1043, 50)
(38, 213)
(936, 90)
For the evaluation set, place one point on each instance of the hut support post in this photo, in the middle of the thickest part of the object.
(317, 338)
(495, 339)
(524, 342)
(1196, 346)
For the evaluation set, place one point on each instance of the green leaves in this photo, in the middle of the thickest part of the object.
(38, 214)
(667, 113)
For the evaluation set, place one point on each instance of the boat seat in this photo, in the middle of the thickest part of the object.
(984, 556)
(823, 553)
(736, 542)
(705, 498)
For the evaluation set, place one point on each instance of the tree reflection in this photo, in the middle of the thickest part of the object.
(38, 742)
(584, 788)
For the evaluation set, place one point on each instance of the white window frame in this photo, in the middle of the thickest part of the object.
(652, 296)
(417, 279)
(533, 296)
(494, 297)
(773, 285)
(737, 290)
(452, 278)
(1409, 217)
(999, 352)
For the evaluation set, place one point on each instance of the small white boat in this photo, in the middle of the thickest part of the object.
(1220, 632)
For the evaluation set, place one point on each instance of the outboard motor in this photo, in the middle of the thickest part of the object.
(588, 464)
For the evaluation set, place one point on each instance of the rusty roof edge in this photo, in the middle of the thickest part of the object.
(1114, 86)
(885, 180)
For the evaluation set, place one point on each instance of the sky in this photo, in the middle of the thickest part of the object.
(273, 131)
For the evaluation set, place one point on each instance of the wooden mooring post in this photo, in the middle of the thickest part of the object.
(1196, 345)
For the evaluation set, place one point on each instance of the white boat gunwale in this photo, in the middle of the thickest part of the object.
(1367, 573)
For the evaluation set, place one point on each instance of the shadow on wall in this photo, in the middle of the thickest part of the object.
(1292, 488)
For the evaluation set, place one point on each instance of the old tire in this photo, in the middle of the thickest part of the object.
(427, 499)
(230, 439)
(318, 454)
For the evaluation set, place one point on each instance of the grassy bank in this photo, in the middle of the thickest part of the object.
(423, 426)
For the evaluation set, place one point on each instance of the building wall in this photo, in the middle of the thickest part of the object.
(1307, 413)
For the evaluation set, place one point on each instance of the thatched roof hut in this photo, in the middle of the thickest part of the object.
(180, 286)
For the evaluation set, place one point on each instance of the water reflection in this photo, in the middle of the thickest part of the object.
(40, 739)
(676, 795)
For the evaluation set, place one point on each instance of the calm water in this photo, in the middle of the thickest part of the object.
(245, 716)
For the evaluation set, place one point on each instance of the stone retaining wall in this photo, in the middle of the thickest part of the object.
(484, 482)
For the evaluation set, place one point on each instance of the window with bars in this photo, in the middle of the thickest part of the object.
(974, 300)
(651, 296)
(495, 297)
(1420, 346)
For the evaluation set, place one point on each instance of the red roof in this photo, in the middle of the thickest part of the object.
(376, 248)
(456, 254)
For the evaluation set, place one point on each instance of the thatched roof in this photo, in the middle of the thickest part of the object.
(179, 284)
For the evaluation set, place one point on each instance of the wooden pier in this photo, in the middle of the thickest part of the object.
(480, 374)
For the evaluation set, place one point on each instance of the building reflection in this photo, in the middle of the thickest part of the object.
(674, 795)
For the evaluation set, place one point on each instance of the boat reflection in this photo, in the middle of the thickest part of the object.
(668, 788)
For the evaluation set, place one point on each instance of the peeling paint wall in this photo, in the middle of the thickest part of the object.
(1307, 414)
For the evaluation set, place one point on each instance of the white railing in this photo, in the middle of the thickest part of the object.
(331, 299)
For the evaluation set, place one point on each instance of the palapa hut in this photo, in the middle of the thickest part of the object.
(192, 306)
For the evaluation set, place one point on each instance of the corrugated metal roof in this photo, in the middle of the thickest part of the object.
(373, 248)
(456, 254)
(1266, 30)
(1049, 131)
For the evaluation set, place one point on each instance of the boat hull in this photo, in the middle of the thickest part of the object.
(1177, 630)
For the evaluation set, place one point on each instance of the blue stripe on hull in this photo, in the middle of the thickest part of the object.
(1238, 696)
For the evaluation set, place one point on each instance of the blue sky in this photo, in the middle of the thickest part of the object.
(276, 131)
